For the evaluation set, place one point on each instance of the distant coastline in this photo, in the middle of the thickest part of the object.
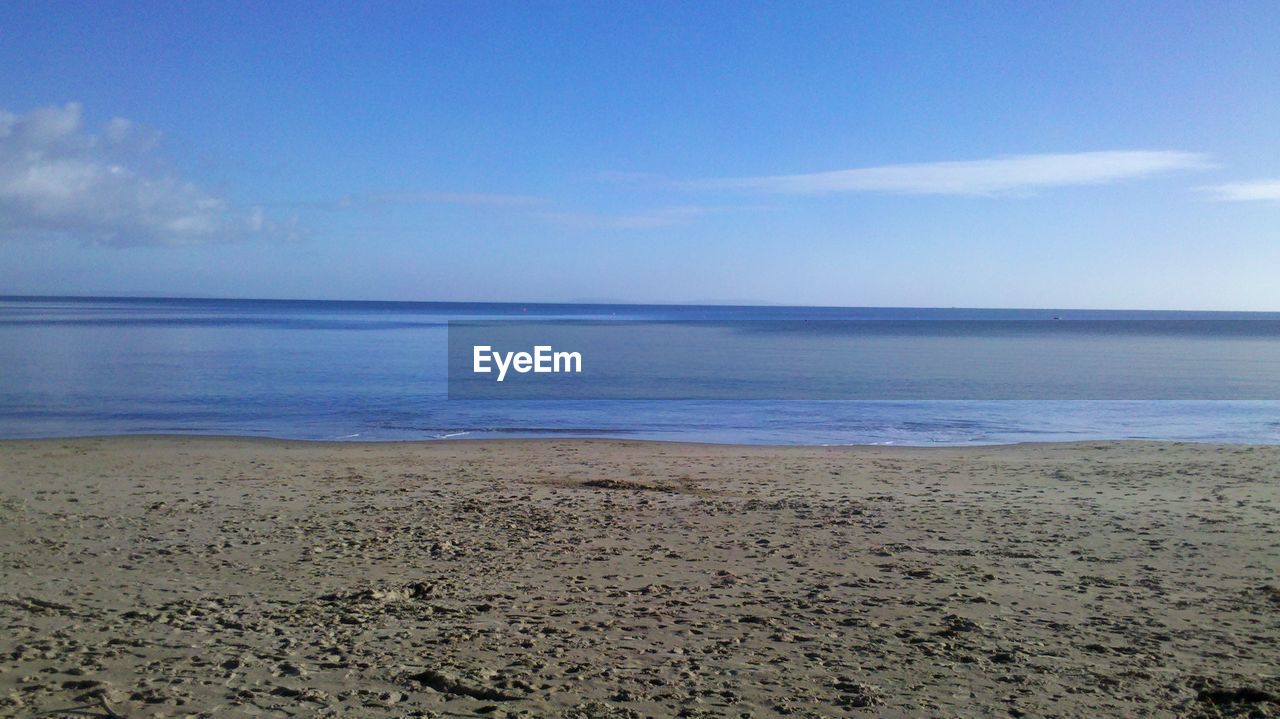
(1049, 311)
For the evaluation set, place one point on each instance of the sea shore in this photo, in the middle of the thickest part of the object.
(198, 576)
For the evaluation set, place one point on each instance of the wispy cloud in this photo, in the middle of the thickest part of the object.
(995, 176)
(648, 219)
(58, 180)
(1249, 191)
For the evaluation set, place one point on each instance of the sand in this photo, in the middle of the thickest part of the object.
(154, 576)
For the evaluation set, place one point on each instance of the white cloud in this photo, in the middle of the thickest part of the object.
(1252, 190)
(58, 180)
(996, 176)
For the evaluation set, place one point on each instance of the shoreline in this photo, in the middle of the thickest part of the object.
(213, 575)
(630, 441)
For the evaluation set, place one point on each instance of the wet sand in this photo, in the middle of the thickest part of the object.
(215, 576)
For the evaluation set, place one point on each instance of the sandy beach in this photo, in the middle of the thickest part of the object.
(153, 576)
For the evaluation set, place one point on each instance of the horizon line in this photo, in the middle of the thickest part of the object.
(20, 297)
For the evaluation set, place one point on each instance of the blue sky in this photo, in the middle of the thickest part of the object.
(899, 154)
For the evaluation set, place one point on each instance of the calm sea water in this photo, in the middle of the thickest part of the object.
(377, 371)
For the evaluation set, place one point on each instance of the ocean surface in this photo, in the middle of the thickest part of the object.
(378, 371)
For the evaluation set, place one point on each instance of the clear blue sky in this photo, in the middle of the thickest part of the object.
(922, 154)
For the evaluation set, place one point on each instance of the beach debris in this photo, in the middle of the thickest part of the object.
(620, 484)
(447, 685)
(1216, 699)
(857, 695)
(38, 606)
(99, 707)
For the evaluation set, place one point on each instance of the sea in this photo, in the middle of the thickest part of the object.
(378, 371)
